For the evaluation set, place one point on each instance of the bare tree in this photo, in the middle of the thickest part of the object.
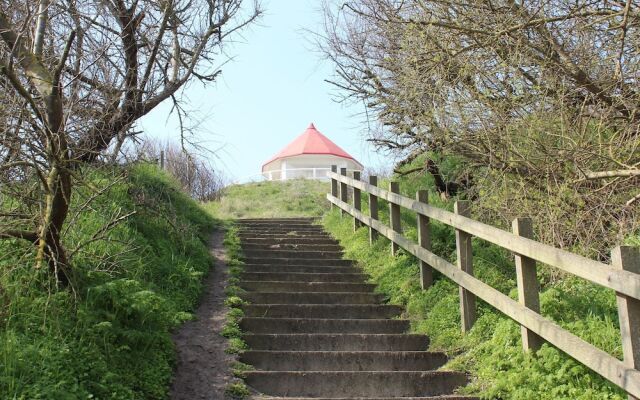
(538, 100)
(75, 77)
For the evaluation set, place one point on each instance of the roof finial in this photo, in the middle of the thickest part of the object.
(311, 126)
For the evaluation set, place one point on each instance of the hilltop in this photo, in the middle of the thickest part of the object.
(293, 198)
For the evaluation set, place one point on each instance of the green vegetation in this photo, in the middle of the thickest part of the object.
(238, 368)
(492, 350)
(108, 336)
(236, 389)
(294, 198)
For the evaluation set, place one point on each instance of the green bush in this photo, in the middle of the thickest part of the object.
(108, 336)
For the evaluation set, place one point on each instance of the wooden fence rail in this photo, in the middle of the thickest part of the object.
(623, 275)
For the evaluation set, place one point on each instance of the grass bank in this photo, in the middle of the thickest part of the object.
(293, 198)
(108, 337)
(492, 350)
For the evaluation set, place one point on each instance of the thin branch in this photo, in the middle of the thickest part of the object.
(63, 59)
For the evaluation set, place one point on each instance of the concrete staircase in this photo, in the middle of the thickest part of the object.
(317, 330)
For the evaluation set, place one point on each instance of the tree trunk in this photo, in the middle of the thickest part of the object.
(58, 191)
(50, 246)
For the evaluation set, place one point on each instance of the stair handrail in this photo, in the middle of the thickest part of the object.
(623, 275)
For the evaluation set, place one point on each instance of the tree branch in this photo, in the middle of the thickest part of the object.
(17, 234)
(623, 173)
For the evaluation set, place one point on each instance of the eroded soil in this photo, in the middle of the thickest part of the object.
(203, 368)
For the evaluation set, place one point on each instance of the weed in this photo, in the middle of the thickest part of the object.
(238, 368)
(234, 301)
(236, 346)
(237, 390)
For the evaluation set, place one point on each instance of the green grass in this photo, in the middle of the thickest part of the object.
(492, 350)
(294, 198)
(235, 389)
(108, 337)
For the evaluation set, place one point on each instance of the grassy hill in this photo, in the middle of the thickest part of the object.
(293, 198)
(107, 337)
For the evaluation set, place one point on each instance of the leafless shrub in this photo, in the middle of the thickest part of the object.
(195, 173)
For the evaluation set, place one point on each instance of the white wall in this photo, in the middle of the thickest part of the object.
(286, 168)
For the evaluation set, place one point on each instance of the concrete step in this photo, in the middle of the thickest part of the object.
(321, 325)
(323, 269)
(298, 235)
(288, 224)
(276, 220)
(283, 231)
(312, 298)
(293, 240)
(292, 246)
(303, 277)
(317, 330)
(297, 254)
(443, 397)
(337, 342)
(310, 230)
(286, 287)
(329, 262)
(367, 384)
(343, 360)
(343, 311)
(280, 224)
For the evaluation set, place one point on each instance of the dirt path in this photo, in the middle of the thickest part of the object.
(202, 369)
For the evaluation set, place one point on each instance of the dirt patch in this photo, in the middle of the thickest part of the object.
(203, 368)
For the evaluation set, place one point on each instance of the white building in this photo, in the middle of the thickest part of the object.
(310, 155)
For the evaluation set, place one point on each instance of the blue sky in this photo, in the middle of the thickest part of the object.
(267, 95)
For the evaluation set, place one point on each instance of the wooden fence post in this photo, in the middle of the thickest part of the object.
(343, 189)
(394, 216)
(334, 184)
(465, 263)
(424, 239)
(373, 209)
(357, 201)
(528, 285)
(627, 258)
(162, 159)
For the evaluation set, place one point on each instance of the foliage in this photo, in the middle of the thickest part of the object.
(231, 330)
(292, 198)
(237, 390)
(236, 345)
(492, 350)
(108, 337)
(240, 368)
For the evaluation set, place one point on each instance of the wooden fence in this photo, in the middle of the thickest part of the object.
(623, 275)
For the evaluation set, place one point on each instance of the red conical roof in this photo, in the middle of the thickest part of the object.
(311, 141)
